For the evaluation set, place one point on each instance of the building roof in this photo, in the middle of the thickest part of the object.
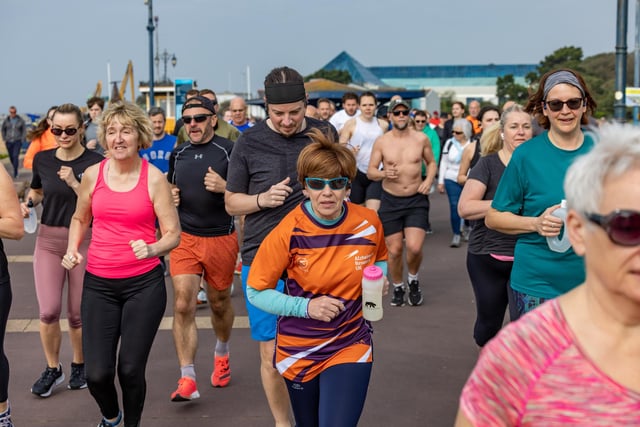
(360, 74)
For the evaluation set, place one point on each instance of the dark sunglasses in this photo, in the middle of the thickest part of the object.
(420, 121)
(557, 105)
(622, 226)
(400, 112)
(68, 131)
(319, 183)
(199, 118)
(457, 132)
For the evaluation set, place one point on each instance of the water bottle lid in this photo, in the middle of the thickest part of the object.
(563, 204)
(372, 272)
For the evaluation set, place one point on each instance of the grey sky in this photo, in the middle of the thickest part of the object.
(56, 51)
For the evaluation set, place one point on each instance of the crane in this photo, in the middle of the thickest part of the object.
(118, 94)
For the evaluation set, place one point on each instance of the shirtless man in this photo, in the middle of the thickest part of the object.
(359, 134)
(403, 205)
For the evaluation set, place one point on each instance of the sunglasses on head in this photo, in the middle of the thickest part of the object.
(68, 131)
(400, 112)
(622, 226)
(199, 118)
(557, 105)
(334, 183)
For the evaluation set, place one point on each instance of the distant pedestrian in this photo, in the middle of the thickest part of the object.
(14, 133)
(40, 138)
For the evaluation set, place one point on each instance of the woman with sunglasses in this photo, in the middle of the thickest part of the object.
(576, 358)
(11, 227)
(322, 246)
(40, 138)
(531, 189)
(448, 175)
(56, 179)
(124, 294)
(490, 253)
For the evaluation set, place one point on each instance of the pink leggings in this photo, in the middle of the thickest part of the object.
(49, 275)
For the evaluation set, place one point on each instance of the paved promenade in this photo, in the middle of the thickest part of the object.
(422, 355)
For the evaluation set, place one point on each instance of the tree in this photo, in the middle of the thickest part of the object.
(565, 57)
(340, 76)
(508, 90)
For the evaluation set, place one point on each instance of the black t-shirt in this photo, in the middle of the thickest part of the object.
(260, 159)
(59, 202)
(201, 212)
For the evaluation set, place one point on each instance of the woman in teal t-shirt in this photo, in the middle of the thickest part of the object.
(531, 189)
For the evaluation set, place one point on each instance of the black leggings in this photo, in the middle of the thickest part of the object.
(127, 311)
(490, 281)
(5, 306)
(334, 398)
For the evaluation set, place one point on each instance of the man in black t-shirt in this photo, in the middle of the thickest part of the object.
(208, 243)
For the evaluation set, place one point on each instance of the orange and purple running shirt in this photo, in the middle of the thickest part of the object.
(534, 373)
(320, 260)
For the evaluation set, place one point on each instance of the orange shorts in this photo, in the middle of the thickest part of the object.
(214, 256)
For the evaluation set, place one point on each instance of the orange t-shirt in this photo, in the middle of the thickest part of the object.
(46, 141)
(321, 260)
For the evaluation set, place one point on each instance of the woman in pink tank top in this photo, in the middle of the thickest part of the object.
(122, 197)
(574, 359)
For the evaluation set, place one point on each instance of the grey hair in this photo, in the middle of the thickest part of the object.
(616, 153)
(464, 125)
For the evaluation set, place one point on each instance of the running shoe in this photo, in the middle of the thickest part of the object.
(116, 423)
(202, 297)
(77, 380)
(5, 418)
(221, 373)
(415, 294)
(50, 378)
(186, 390)
(238, 269)
(398, 296)
(455, 242)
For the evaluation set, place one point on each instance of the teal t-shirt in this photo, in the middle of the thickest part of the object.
(531, 183)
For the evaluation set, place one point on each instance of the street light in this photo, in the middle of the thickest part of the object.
(166, 57)
(150, 28)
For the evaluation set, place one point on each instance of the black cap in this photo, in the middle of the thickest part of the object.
(200, 101)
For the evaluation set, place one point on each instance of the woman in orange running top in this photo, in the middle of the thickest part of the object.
(323, 344)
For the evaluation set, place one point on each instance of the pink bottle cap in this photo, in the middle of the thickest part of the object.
(372, 272)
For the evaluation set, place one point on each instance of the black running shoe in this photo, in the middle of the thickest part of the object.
(77, 380)
(50, 378)
(415, 294)
(398, 296)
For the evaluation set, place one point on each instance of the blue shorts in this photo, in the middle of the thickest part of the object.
(263, 324)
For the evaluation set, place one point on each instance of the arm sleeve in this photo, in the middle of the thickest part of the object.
(276, 302)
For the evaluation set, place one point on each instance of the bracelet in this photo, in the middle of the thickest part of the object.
(258, 201)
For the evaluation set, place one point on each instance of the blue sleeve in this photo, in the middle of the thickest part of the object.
(383, 266)
(276, 302)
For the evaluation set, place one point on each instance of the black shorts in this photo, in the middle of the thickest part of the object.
(398, 213)
(363, 189)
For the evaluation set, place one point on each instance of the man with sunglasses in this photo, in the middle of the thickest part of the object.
(263, 185)
(208, 243)
(14, 132)
(403, 205)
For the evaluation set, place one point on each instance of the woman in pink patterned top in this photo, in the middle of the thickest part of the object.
(574, 360)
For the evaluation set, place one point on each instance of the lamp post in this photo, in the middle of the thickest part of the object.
(166, 57)
(150, 28)
(619, 107)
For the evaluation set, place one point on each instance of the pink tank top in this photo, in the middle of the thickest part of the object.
(118, 218)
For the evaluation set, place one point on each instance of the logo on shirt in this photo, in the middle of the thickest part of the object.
(197, 156)
(303, 264)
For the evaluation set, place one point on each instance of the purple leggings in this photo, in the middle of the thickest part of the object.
(49, 275)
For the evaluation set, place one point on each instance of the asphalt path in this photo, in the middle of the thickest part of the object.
(422, 355)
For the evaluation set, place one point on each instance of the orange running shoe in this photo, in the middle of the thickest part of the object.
(186, 391)
(221, 373)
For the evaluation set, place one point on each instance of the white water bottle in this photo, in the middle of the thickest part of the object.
(556, 243)
(372, 284)
(31, 222)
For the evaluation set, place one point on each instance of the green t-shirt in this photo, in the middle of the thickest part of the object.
(531, 183)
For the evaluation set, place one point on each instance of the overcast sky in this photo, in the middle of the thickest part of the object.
(55, 51)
